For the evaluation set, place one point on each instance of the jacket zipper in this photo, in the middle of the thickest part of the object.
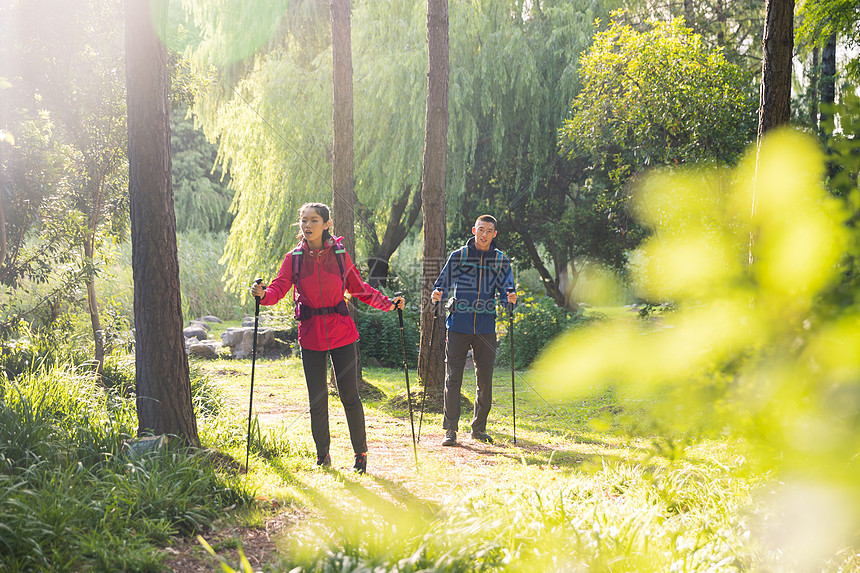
(480, 276)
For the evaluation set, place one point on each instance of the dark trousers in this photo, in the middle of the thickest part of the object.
(484, 354)
(345, 361)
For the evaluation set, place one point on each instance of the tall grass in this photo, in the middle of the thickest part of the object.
(643, 518)
(73, 497)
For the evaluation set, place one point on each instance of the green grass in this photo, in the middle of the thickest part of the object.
(73, 497)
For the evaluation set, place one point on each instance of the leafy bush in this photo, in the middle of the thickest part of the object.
(537, 321)
(380, 336)
(72, 494)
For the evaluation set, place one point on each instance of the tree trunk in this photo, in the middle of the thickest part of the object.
(343, 128)
(689, 15)
(828, 80)
(400, 220)
(721, 23)
(93, 307)
(161, 364)
(814, 75)
(343, 200)
(778, 44)
(431, 368)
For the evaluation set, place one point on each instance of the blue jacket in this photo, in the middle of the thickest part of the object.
(474, 278)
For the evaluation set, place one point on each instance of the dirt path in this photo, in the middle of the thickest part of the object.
(303, 494)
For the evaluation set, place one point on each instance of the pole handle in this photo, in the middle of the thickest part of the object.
(257, 281)
(509, 306)
(399, 312)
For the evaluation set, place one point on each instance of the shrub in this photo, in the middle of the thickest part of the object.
(537, 321)
(380, 336)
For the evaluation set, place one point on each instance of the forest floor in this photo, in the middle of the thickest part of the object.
(553, 439)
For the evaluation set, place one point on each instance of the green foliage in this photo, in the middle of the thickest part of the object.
(380, 336)
(746, 257)
(201, 191)
(819, 19)
(537, 322)
(71, 493)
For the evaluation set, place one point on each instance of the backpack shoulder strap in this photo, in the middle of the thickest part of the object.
(297, 262)
(340, 255)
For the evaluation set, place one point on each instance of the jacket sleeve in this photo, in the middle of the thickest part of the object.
(282, 284)
(446, 277)
(361, 290)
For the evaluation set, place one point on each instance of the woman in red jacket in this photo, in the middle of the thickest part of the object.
(320, 270)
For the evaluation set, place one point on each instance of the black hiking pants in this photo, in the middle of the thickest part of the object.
(345, 362)
(457, 347)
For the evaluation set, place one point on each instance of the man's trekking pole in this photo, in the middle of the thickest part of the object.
(406, 372)
(510, 308)
(432, 337)
(253, 361)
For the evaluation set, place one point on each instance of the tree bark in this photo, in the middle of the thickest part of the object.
(778, 44)
(342, 175)
(161, 364)
(814, 79)
(689, 15)
(828, 77)
(430, 360)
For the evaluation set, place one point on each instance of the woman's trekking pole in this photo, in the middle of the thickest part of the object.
(253, 361)
(510, 308)
(406, 372)
(432, 337)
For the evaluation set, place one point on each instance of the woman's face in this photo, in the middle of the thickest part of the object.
(312, 225)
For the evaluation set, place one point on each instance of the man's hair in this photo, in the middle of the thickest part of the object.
(487, 219)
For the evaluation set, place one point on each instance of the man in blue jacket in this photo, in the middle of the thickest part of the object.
(474, 274)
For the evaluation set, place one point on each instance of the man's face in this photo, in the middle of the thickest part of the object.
(484, 234)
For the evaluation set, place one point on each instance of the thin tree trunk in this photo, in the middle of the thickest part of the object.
(828, 78)
(814, 74)
(402, 217)
(551, 285)
(689, 15)
(93, 307)
(162, 375)
(778, 43)
(430, 360)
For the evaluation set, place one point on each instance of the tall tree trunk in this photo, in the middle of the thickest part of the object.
(721, 22)
(814, 79)
(430, 360)
(689, 15)
(343, 126)
(778, 44)
(828, 79)
(161, 364)
(342, 175)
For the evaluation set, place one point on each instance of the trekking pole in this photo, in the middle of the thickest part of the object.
(253, 361)
(510, 308)
(432, 337)
(406, 372)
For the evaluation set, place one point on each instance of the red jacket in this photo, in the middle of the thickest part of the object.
(320, 286)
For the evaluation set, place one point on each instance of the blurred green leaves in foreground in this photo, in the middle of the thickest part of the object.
(754, 350)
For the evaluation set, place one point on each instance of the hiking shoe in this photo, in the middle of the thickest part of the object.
(324, 460)
(360, 466)
(482, 437)
(450, 438)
